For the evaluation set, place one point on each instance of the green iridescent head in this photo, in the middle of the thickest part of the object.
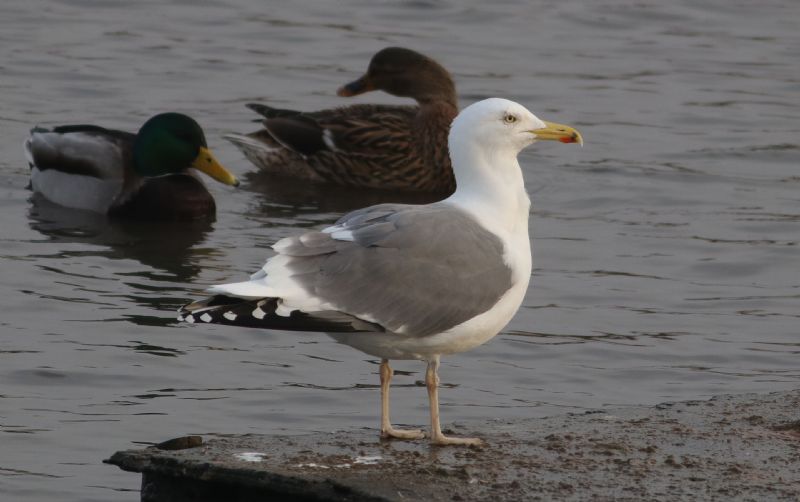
(170, 143)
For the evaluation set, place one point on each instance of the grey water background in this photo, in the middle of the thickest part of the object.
(665, 250)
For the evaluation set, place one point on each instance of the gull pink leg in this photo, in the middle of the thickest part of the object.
(387, 431)
(432, 382)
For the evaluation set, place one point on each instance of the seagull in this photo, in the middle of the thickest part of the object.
(400, 281)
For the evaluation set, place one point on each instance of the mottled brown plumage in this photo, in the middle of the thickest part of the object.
(375, 146)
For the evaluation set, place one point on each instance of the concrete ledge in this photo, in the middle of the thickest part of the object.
(743, 447)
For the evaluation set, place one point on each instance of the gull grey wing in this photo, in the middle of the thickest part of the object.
(415, 270)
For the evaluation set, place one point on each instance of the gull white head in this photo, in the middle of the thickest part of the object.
(485, 139)
(499, 124)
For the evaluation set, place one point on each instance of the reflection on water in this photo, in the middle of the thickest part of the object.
(665, 250)
(163, 246)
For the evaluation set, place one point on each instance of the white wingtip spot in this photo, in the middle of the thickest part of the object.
(258, 313)
(229, 316)
(283, 311)
(206, 317)
(189, 318)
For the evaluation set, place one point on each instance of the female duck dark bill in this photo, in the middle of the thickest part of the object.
(139, 176)
(372, 146)
(410, 281)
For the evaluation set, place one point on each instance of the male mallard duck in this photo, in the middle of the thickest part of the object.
(143, 176)
(377, 146)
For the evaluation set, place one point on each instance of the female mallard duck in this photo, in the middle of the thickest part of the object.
(377, 146)
(142, 176)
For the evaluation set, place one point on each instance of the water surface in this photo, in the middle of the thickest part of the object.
(665, 250)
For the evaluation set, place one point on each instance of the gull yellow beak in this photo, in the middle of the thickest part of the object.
(207, 163)
(558, 132)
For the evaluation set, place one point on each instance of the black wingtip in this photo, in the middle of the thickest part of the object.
(263, 314)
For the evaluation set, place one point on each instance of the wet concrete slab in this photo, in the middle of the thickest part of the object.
(744, 447)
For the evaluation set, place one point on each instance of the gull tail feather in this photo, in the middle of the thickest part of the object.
(266, 313)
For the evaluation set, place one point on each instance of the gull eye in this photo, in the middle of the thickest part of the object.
(509, 119)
